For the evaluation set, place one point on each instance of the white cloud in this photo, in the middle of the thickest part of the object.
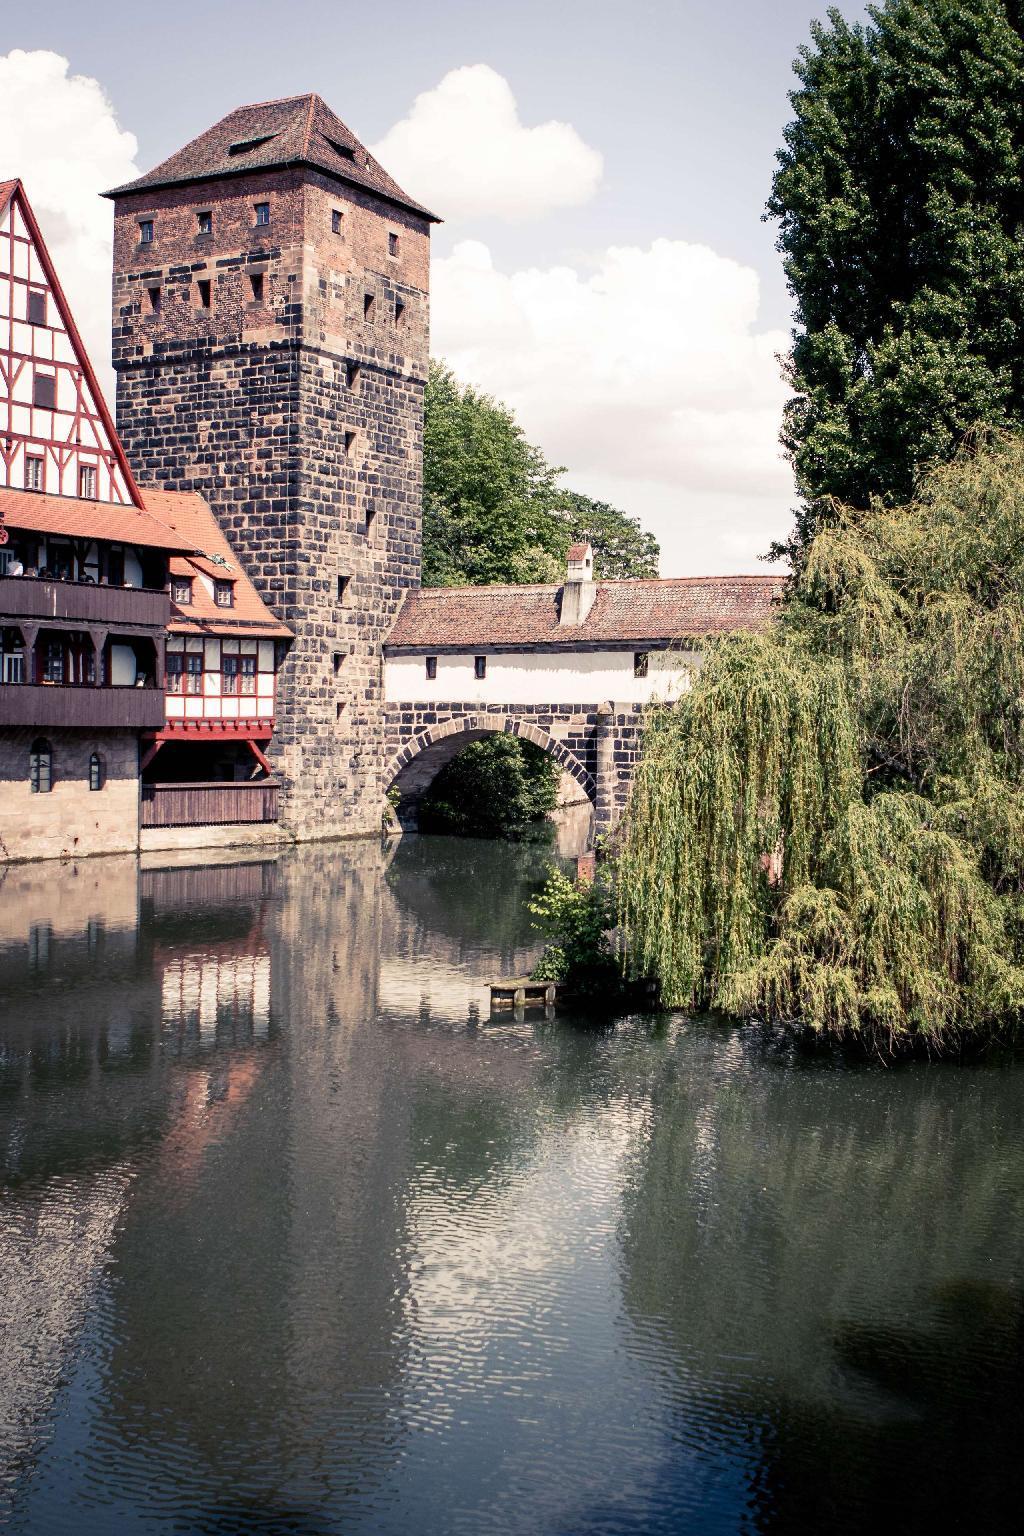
(647, 376)
(58, 133)
(463, 151)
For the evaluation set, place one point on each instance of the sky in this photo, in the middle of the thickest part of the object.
(603, 266)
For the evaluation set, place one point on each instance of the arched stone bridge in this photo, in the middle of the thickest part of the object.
(597, 744)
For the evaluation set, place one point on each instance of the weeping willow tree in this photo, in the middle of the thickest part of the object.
(828, 828)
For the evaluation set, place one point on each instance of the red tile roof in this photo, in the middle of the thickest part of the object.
(6, 190)
(297, 130)
(77, 519)
(624, 612)
(577, 551)
(188, 515)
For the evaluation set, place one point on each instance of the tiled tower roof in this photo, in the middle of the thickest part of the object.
(273, 135)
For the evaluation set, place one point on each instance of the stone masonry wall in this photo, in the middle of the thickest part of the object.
(72, 820)
(295, 407)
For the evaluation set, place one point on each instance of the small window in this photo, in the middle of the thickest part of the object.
(155, 295)
(369, 305)
(339, 709)
(40, 767)
(338, 658)
(335, 221)
(44, 391)
(343, 582)
(184, 672)
(392, 244)
(205, 222)
(256, 284)
(350, 442)
(431, 667)
(352, 372)
(33, 473)
(641, 660)
(239, 675)
(262, 213)
(246, 146)
(36, 306)
(87, 482)
(371, 517)
(479, 667)
(224, 594)
(344, 150)
(145, 231)
(97, 771)
(181, 590)
(203, 291)
(399, 310)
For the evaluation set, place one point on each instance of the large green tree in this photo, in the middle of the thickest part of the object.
(901, 207)
(493, 510)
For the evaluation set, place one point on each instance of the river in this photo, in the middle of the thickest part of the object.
(295, 1238)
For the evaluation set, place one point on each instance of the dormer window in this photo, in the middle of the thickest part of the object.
(145, 231)
(205, 222)
(344, 150)
(36, 306)
(224, 594)
(246, 146)
(181, 591)
(262, 213)
(87, 482)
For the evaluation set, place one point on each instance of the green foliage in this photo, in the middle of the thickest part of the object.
(576, 915)
(870, 754)
(492, 510)
(498, 787)
(899, 192)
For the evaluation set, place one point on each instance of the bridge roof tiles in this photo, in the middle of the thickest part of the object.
(624, 612)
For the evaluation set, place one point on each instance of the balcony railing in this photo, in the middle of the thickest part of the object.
(82, 602)
(208, 804)
(53, 704)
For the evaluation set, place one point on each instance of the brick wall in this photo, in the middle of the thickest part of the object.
(71, 820)
(298, 415)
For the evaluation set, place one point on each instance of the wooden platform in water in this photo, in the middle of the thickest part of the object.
(521, 992)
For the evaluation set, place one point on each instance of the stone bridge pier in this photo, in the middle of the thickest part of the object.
(597, 744)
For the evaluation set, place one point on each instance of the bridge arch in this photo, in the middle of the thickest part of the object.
(415, 767)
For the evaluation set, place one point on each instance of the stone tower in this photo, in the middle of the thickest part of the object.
(270, 337)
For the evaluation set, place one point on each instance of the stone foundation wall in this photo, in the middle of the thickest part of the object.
(72, 820)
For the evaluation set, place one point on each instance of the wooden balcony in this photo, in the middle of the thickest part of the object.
(208, 804)
(51, 704)
(81, 603)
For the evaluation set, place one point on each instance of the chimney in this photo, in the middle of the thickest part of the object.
(580, 588)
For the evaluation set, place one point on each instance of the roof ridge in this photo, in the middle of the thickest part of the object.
(313, 99)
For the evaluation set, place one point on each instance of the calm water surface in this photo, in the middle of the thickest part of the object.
(294, 1238)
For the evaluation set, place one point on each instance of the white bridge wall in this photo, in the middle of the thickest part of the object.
(538, 677)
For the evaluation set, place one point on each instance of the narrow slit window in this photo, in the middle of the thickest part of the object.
(399, 310)
(369, 305)
(371, 516)
(479, 667)
(97, 771)
(203, 289)
(392, 244)
(352, 372)
(343, 584)
(431, 668)
(262, 213)
(641, 662)
(256, 284)
(40, 767)
(335, 221)
(339, 709)
(205, 222)
(36, 306)
(350, 442)
(155, 295)
(338, 658)
(145, 231)
(44, 391)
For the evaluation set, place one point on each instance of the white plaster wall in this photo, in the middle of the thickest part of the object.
(562, 677)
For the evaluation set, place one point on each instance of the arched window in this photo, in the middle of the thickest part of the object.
(40, 767)
(97, 771)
